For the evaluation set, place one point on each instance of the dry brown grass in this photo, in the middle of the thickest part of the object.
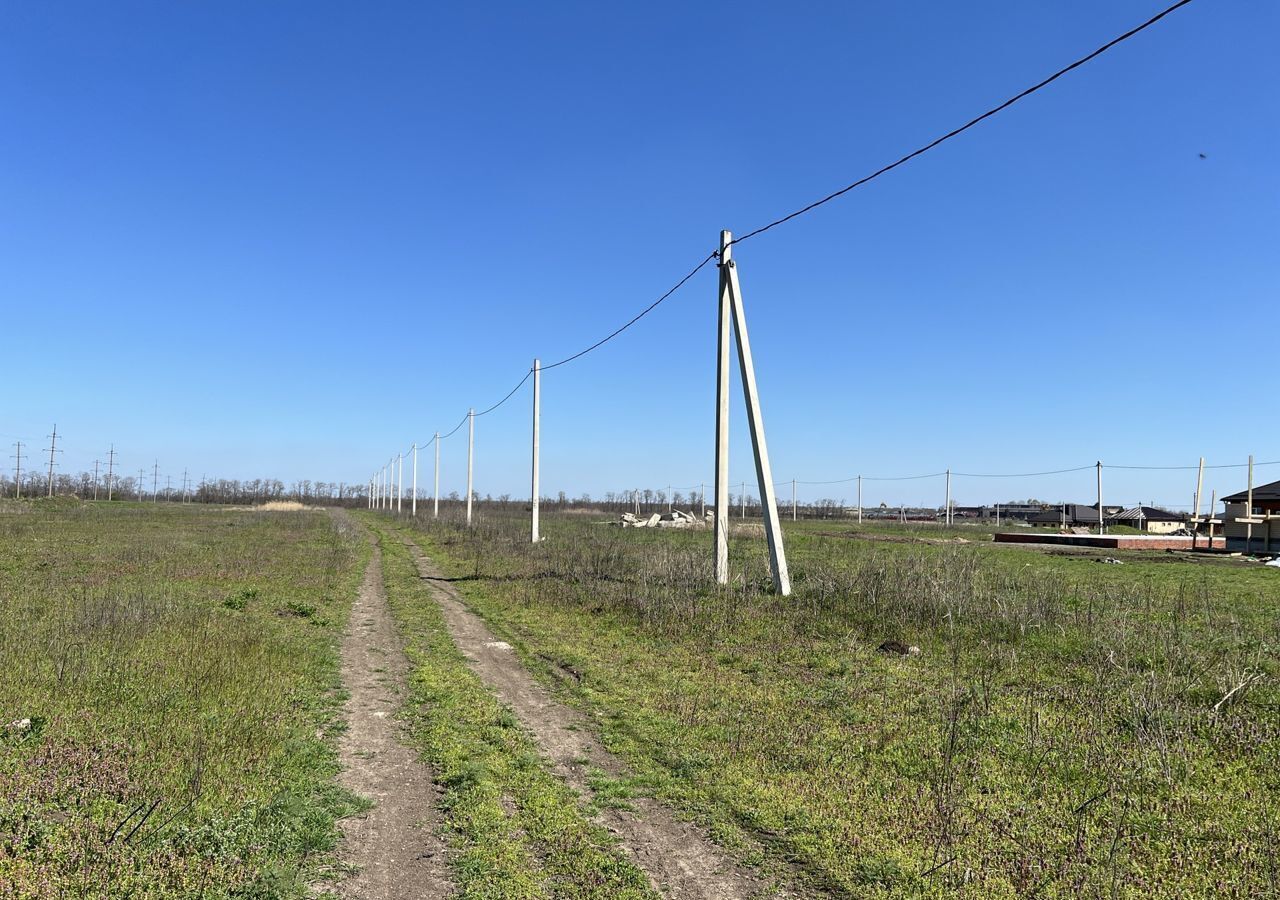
(282, 506)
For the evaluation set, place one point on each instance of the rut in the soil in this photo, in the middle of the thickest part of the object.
(393, 847)
(680, 858)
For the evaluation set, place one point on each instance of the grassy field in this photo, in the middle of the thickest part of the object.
(179, 669)
(1068, 729)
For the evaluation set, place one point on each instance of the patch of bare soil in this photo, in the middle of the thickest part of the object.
(394, 846)
(681, 860)
(888, 538)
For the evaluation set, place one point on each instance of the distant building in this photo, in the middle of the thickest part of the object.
(1067, 515)
(1261, 529)
(1150, 519)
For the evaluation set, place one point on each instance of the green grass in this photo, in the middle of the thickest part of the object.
(184, 708)
(1057, 736)
(517, 831)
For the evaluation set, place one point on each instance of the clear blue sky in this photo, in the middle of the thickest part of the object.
(288, 239)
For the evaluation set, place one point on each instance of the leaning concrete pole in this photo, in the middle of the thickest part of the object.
(471, 444)
(755, 423)
(534, 493)
(721, 511)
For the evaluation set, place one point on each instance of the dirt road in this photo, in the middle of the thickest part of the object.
(680, 859)
(393, 846)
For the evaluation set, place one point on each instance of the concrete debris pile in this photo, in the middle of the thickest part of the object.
(674, 519)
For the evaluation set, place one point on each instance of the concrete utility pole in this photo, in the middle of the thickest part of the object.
(155, 482)
(702, 493)
(17, 473)
(399, 481)
(669, 500)
(184, 485)
(435, 513)
(168, 482)
(997, 515)
(859, 499)
(948, 514)
(731, 305)
(742, 498)
(1195, 515)
(1248, 511)
(471, 446)
(537, 401)
(142, 485)
(53, 448)
(721, 511)
(1102, 518)
(793, 499)
(1213, 502)
(413, 501)
(111, 464)
(95, 479)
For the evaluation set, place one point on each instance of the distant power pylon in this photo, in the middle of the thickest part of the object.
(111, 462)
(17, 472)
(52, 448)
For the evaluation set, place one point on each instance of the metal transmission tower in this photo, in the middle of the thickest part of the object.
(52, 448)
(111, 463)
(17, 472)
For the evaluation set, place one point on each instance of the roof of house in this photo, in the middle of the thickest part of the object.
(1260, 492)
(1147, 513)
(1075, 513)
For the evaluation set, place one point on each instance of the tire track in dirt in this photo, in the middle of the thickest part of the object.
(394, 845)
(681, 860)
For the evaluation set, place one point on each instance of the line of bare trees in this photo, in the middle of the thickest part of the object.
(163, 489)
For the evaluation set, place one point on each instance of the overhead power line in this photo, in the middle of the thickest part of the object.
(827, 199)
(967, 125)
(650, 308)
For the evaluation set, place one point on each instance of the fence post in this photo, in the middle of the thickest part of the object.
(537, 400)
(471, 444)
